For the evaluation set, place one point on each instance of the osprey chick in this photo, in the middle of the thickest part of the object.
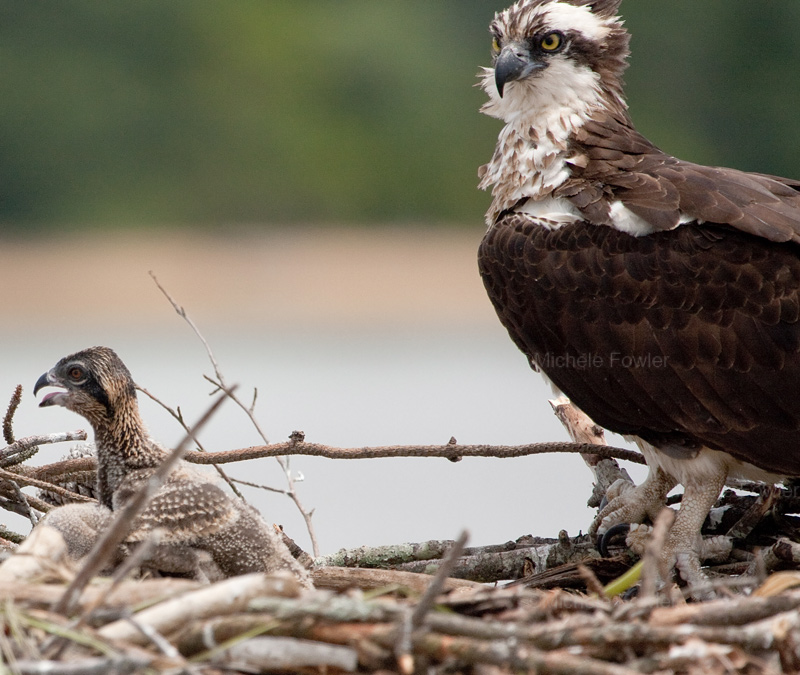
(661, 296)
(204, 530)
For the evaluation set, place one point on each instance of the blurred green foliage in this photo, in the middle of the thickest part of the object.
(272, 111)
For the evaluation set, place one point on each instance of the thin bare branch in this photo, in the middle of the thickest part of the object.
(219, 382)
(653, 568)
(22, 499)
(182, 313)
(442, 575)
(24, 448)
(179, 417)
(43, 485)
(449, 451)
(258, 486)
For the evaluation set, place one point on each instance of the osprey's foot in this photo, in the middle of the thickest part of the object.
(629, 504)
(684, 548)
(685, 556)
(714, 549)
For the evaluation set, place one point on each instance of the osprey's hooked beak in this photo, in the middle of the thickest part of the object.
(513, 63)
(53, 398)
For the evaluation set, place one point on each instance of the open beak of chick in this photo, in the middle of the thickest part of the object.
(51, 398)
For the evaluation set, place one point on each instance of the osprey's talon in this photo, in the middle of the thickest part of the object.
(603, 540)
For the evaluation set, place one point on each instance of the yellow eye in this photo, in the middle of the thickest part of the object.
(495, 45)
(551, 42)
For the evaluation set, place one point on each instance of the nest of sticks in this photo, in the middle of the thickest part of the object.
(533, 605)
(395, 621)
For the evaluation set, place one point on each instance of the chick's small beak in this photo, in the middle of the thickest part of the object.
(53, 398)
(43, 381)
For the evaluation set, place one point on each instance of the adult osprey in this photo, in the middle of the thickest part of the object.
(661, 296)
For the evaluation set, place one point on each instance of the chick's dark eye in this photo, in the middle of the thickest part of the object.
(76, 373)
(552, 42)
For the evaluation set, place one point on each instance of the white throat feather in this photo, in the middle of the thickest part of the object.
(541, 113)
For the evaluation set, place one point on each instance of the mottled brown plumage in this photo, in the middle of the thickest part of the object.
(706, 316)
(663, 297)
(201, 526)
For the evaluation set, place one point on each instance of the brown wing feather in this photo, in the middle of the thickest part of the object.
(684, 337)
(619, 163)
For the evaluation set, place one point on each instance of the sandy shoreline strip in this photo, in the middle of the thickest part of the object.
(330, 275)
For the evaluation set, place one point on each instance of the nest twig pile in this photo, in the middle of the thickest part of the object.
(535, 605)
(386, 621)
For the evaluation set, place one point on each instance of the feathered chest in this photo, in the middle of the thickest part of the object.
(528, 163)
(542, 116)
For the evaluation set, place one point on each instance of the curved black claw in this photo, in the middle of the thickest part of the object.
(604, 539)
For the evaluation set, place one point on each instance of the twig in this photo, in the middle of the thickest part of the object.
(412, 620)
(25, 448)
(44, 485)
(258, 486)
(224, 597)
(219, 383)
(524, 658)
(442, 575)
(344, 578)
(156, 638)
(386, 556)
(127, 594)
(77, 469)
(327, 607)
(212, 640)
(726, 612)
(8, 535)
(8, 420)
(180, 311)
(119, 527)
(449, 451)
(593, 584)
(22, 499)
(652, 567)
(582, 429)
(481, 564)
(120, 665)
(179, 417)
(272, 654)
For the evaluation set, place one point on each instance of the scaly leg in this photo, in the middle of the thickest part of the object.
(635, 504)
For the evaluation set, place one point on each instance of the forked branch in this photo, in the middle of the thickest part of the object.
(219, 383)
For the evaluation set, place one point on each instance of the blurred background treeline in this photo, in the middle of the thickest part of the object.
(201, 113)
